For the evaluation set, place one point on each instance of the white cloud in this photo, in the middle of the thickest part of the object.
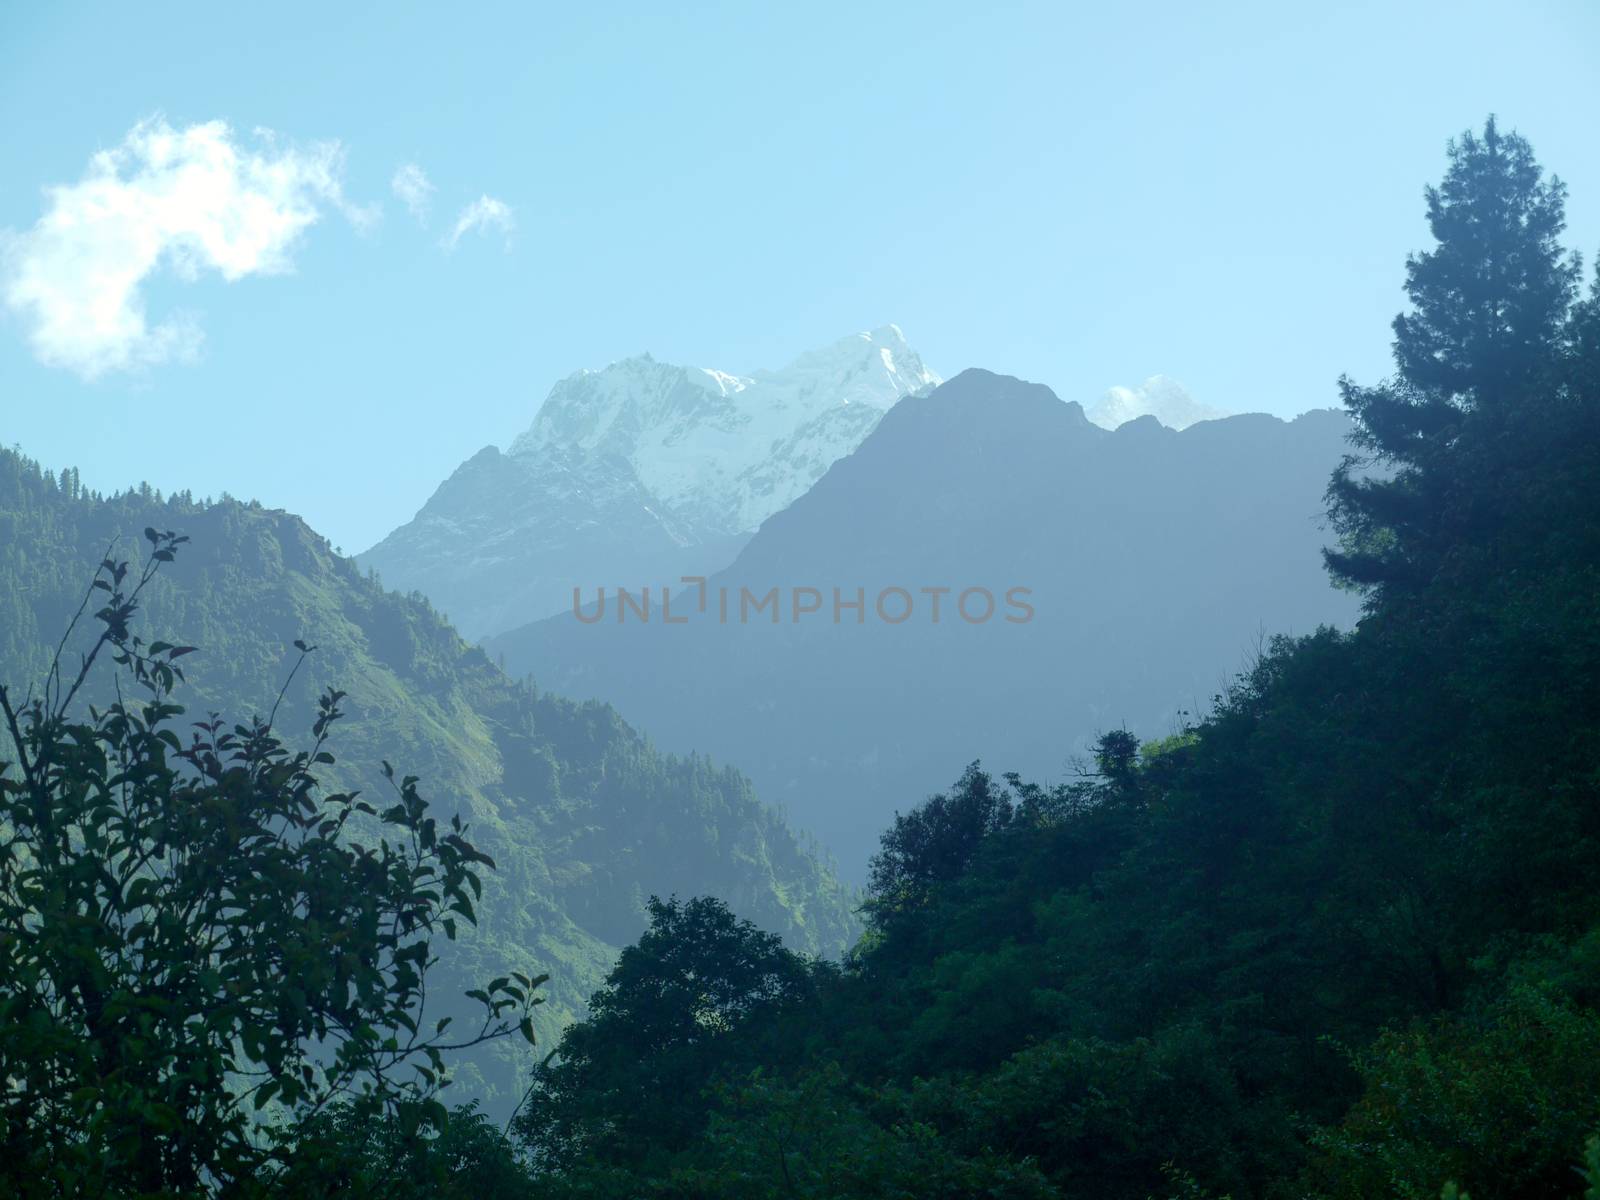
(189, 200)
(483, 214)
(412, 185)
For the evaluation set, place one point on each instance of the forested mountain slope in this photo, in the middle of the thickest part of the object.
(583, 817)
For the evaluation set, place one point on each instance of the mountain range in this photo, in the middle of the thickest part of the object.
(1146, 560)
(1150, 563)
(641, 466)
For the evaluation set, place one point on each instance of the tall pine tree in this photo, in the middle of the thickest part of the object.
(1488, 307)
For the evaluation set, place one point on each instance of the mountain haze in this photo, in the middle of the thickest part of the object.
(1154, 560)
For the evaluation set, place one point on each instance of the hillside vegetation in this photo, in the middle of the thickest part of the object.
(584, 818)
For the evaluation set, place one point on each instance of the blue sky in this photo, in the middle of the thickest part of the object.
(1082, 195)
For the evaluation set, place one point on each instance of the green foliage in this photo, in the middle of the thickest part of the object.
(399, 1156)
(1495, 1097)
(820, 1138)
(193, 949)
(935, 841)
(583, 817)
(672, 1015)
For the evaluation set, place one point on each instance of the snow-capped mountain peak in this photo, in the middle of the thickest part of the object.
(637, 472)
(726, 451)
(876, 367)
(1160, 397)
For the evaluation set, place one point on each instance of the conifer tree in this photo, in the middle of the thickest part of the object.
(1489, 302)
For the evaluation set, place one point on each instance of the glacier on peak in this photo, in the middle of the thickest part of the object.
(637, 472)
(727, 451)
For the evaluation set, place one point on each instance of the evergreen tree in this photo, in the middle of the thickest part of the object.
(1488, 304)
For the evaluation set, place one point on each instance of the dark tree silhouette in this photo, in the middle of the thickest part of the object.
(1488, 303)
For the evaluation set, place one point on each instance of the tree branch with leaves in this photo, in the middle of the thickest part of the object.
(201, 946)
